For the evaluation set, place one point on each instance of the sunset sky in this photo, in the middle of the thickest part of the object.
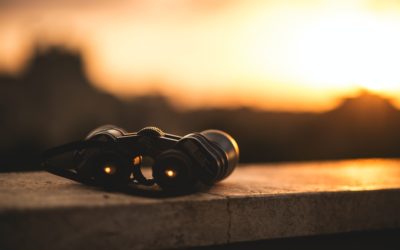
(299, 55)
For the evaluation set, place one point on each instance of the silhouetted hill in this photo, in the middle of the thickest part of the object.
(363, 126)
(53, 102)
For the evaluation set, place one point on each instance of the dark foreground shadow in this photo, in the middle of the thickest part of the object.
(370, 240)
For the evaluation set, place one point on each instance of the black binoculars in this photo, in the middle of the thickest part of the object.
(111, 157)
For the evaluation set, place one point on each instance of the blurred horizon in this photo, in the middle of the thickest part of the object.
(53, 102)
(298, 56)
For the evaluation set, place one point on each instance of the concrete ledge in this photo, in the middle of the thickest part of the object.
(42, 211)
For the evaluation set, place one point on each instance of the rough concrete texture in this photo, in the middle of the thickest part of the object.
(42, 211)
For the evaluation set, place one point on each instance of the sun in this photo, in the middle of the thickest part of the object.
(348, 49)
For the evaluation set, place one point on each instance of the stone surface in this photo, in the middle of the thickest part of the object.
(42, 211)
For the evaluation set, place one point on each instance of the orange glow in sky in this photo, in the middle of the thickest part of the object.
(287, 55)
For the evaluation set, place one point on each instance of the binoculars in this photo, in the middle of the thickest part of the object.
(111, 157)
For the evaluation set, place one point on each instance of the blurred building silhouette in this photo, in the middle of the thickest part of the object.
(53, 102)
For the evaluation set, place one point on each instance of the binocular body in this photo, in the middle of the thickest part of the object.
(111, 157)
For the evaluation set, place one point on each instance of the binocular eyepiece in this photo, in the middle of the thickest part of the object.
(111, 157)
